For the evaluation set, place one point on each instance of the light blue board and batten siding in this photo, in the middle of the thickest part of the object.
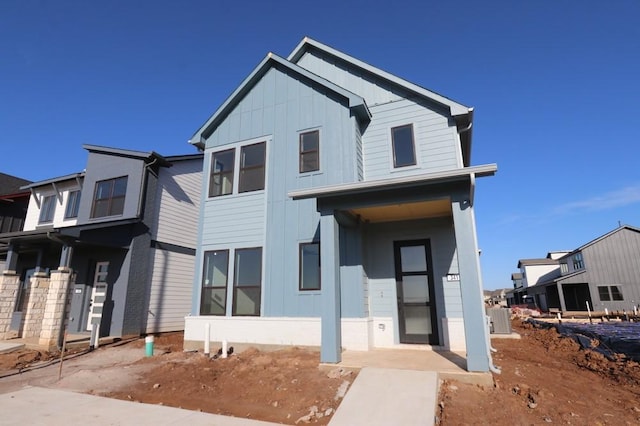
(436, 140)
(279, 107)
(380, 267)
(101, 167)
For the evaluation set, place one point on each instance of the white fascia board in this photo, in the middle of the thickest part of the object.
(476, 171)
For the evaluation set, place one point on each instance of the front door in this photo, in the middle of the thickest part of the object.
(98, 294)
(414, 282)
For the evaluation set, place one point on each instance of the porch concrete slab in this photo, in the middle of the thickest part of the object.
(449, 365)
(383, 396)
(512, 335)
(6, 346)
(42, 406)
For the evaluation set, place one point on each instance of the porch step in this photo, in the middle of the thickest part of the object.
(6, 347)
(384, 396)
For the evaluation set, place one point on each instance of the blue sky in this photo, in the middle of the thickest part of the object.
(555, 85)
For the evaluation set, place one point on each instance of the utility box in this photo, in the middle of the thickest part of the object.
(500, 320)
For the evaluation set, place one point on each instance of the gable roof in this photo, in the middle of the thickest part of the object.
(602, 237)
(532, 262)
(11, 184)
(308, 44)
(355, 102)
(462, 114)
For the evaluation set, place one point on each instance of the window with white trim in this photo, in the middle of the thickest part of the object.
(247, 169)
(404, 151)
(214, 283)
(73, 205)
(247, 281)
(47, 209)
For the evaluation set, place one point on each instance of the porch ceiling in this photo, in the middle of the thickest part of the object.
(406, 211)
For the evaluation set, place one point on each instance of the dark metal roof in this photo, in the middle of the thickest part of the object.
(72, 176)
(147, 156)
(11, 184)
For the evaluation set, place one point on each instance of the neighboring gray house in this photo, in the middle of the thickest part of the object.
(111, 247)
(604, 272)
(338, 211)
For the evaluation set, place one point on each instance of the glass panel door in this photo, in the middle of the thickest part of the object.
(414, 281)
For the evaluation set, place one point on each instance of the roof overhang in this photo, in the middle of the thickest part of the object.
(395, 183)
(148, 157)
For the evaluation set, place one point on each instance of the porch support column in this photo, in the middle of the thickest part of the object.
(563, 306)
(39, 268)
(331, 336)
(11, 263)
(65, 256)
(476, 337)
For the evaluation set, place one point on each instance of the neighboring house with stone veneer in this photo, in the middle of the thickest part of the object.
(13, 207)
(337, 211)
(111, 248)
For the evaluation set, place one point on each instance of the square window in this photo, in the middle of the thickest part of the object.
(309, 266)
(252, 160)
(616, 294)
(109, 197)
(309, 151)
(73, 204)
(603, 293)
(214, 283)
(247, 281)
(221, 179)
(404, 153)
(47, 209)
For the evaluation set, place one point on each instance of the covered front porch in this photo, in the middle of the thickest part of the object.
(415, 246)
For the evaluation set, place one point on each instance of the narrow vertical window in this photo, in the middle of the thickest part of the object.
(616, 294)
(309, 266)
(310, 151)
(404, 153)
(47, 209)
(214, 283)
(603, 293)
(221, 179)
(108, 199)
(247, 281)
(73, 204)
(252, 160)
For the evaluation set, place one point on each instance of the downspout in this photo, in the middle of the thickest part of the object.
(143, 188)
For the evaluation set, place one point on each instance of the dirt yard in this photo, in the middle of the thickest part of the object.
(545, 379)
(282, 386)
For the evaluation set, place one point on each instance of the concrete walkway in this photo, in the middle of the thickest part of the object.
(41, 406)
(6, 347)
(382, 396)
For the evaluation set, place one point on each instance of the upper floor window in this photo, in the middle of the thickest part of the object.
(309, 151)
(47, 209)
(578, 262)
(109, 197)
(564, 268)
(309, 266)
(221, 180)
(252, 159)
(73, 204)
(404, 153)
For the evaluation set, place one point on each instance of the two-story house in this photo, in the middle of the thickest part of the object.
(603, 273)
(337, 211)
(110, 249)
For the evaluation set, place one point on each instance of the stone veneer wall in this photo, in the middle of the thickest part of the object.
(55, 306)
(9, 287)
(34, 306)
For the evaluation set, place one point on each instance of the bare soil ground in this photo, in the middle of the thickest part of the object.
(547, 378)
(279, 386)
